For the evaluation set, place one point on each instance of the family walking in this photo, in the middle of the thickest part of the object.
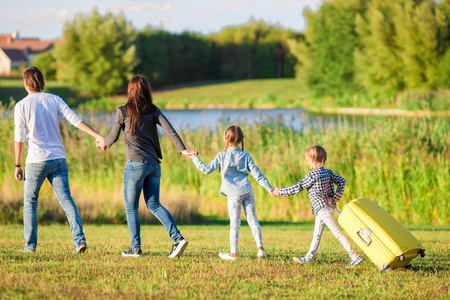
(37, 118)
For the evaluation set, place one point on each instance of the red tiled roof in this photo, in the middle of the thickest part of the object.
(5, 38)
(35, 45)
(15, 55)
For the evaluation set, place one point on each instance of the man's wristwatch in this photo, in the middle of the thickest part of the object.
(18, 166)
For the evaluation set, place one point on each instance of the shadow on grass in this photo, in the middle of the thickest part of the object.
(212, 221)
(191, 84)
(12, 93)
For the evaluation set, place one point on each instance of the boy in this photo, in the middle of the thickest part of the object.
(323, 198)
(36, 119)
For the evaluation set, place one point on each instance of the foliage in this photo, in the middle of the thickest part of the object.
(375, 47)
(254, 50)
(46, 62)
(401, 45)
(327, 51)
(101, 273)
(97, 56)
(167, 58)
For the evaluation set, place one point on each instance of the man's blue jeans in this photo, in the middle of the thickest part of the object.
(57, 173)
(137, 177)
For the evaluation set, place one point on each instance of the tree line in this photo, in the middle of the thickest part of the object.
(379, 48)
(99, 54)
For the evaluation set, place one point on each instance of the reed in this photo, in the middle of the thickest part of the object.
(401, 163)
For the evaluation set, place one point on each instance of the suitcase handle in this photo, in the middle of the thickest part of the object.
(366, 232)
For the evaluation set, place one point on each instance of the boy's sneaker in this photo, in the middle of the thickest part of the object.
(28, 250)
(301, 260)
(178, 248)
(226, 256)
(262, 255)
(131, 253)
(79, 249)
(355, 262)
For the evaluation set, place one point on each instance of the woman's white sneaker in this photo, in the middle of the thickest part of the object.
(226, 256)
(262, 255)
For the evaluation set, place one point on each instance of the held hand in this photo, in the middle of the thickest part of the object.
(18, 174)
(190, 153)
(275, 192)
(101, 144)
(330, 203)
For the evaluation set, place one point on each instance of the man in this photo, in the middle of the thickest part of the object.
(36, 119)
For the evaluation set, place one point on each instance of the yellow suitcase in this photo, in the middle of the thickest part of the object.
(383, 239)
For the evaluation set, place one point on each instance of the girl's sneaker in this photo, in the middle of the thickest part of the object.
(131, 253)
(226, 256)
(301, 260)
(262, 254)
(355, 262)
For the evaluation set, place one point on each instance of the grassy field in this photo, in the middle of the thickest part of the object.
(101, 273)
(256, 93)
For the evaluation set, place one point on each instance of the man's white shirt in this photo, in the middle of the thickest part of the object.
(36, 121)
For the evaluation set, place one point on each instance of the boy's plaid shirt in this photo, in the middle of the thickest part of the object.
(319, 184)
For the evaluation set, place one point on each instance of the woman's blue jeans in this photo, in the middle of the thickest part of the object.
(57, 173)
(137, 177)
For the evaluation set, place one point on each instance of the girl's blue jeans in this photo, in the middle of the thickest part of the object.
(57, 173)
(137, 177)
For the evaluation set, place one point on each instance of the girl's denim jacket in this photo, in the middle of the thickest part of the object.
(235, 165)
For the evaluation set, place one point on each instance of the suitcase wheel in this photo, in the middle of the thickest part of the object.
(402, 257)
(422, 253)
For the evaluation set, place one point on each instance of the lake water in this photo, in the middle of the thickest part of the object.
(297, 119)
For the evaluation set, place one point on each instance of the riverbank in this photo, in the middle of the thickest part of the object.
(256, 94)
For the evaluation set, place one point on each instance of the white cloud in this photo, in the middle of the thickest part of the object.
(162, 7)
(138, 7)
(142, 7)
(61, 15)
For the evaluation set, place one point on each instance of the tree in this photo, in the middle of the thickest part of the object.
(167, 58)
(325, 57)
(402, 44)
(97, 55)
(46, 62)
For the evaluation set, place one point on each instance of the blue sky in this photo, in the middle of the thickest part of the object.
(45, 18)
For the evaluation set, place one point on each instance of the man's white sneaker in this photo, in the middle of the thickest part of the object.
(262, 254)
(226, 256)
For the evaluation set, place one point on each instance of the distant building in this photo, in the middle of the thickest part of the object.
(16, 52)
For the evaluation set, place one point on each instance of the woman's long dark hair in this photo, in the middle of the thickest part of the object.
(140, 101)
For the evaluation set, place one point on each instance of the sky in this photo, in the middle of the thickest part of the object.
(45, 19)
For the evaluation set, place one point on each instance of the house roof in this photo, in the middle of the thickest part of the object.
(15, 55)
(33, 45)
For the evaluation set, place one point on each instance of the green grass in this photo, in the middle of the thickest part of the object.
(54, 273)
(256, 93)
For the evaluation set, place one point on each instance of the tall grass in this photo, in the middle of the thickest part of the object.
(401, 163)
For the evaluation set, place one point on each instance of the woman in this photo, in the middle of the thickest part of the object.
(137, 119)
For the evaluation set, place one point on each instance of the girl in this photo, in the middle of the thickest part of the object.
(137, 119)
(234, 165)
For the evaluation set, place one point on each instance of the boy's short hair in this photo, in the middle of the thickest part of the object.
(317, 154)
(34, 78)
